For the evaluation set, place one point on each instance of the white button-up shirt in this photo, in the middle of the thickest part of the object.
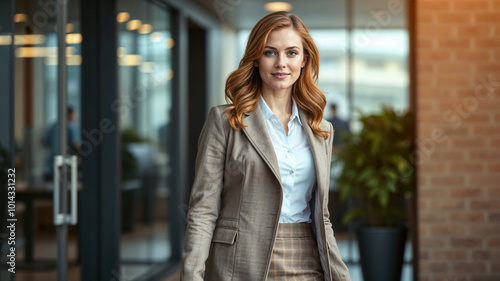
(296, 164)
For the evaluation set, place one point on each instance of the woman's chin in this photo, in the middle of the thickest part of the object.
(281, 86)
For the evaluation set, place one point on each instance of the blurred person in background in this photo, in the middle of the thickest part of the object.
(340, 126)
(50, 141)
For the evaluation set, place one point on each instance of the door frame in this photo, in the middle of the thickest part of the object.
(100, 224)
(6, 118)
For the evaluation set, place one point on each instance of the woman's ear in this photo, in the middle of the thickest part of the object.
(255, 64)
(304, 61)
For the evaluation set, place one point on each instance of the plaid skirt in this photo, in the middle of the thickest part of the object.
(295, 254)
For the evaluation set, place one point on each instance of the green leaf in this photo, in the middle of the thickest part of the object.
(383, 198)
(376, 167)
(353, 214)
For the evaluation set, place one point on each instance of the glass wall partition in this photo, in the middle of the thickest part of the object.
(35, 133)
(145, 72)
(144, 64)
(6, 134)
(380, 71)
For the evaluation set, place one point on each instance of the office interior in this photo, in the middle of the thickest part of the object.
(171, 60)
(139, 73)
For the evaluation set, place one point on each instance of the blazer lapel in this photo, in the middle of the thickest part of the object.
(256, 132)
(317, 147)
(258, 135)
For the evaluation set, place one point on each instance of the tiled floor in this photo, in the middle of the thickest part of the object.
(143, 244)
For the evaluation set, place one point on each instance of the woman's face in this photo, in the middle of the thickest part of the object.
(282, 60)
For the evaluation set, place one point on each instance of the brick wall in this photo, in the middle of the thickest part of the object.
(458, 101)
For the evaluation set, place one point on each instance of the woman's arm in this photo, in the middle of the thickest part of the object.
(205, 197)
(337, 266)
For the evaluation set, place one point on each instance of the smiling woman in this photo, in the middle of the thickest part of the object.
(283, 58)
(279, 67)
(267, 219)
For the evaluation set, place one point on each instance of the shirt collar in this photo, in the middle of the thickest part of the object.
(267, 112)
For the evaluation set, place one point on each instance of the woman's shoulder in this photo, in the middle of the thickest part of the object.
(221, 107)
(217, 114)
(325, 125)
(218, 110)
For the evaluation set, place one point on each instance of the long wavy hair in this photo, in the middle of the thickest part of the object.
(244, 85)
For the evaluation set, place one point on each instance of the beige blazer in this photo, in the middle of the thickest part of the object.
(236, 199)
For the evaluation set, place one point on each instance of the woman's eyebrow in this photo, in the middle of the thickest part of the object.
(273, 48)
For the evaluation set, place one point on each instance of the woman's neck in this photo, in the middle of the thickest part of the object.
(280, 103)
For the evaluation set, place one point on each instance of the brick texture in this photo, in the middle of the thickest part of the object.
(458, 143)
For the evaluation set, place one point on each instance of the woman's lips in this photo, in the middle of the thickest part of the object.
(280, 75)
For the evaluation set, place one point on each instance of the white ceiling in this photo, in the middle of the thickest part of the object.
(316, 14)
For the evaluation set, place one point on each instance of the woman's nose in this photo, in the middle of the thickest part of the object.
(281, 63)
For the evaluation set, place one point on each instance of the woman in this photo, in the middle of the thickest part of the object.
(258, 207)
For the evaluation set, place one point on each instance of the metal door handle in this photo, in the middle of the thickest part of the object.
(74, 191)
(71, 218)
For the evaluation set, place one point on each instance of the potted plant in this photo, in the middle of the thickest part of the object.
(129, 179)
(378, 175)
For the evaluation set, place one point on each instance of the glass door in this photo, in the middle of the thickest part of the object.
(144, 87)
(37, 134)
(7, 235)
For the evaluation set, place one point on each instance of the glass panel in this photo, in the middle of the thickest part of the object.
(381, 71)
(145, 100)
(35, 88)
(332, 75)
(5, 138)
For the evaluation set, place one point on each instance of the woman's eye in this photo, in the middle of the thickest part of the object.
(268, 53)
(292, 53)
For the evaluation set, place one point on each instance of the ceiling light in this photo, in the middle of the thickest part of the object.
(145, 28)
(5, 39)
(278, 6)
(147, 67)
(37, 52)
(170, 43)
(30, 39)
(70, 28)
(121, 51)
(70, 60)
(156, 36)
(130, 60)
(134, 24)
(74, 60)
(20, 17)
(73, 38)
(122, 17)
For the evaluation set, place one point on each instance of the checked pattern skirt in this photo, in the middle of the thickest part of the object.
(295, 254)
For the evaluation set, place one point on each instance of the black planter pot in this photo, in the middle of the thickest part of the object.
(381, 251)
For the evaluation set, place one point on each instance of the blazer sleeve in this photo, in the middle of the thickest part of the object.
(204, 202)
(338, 268)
